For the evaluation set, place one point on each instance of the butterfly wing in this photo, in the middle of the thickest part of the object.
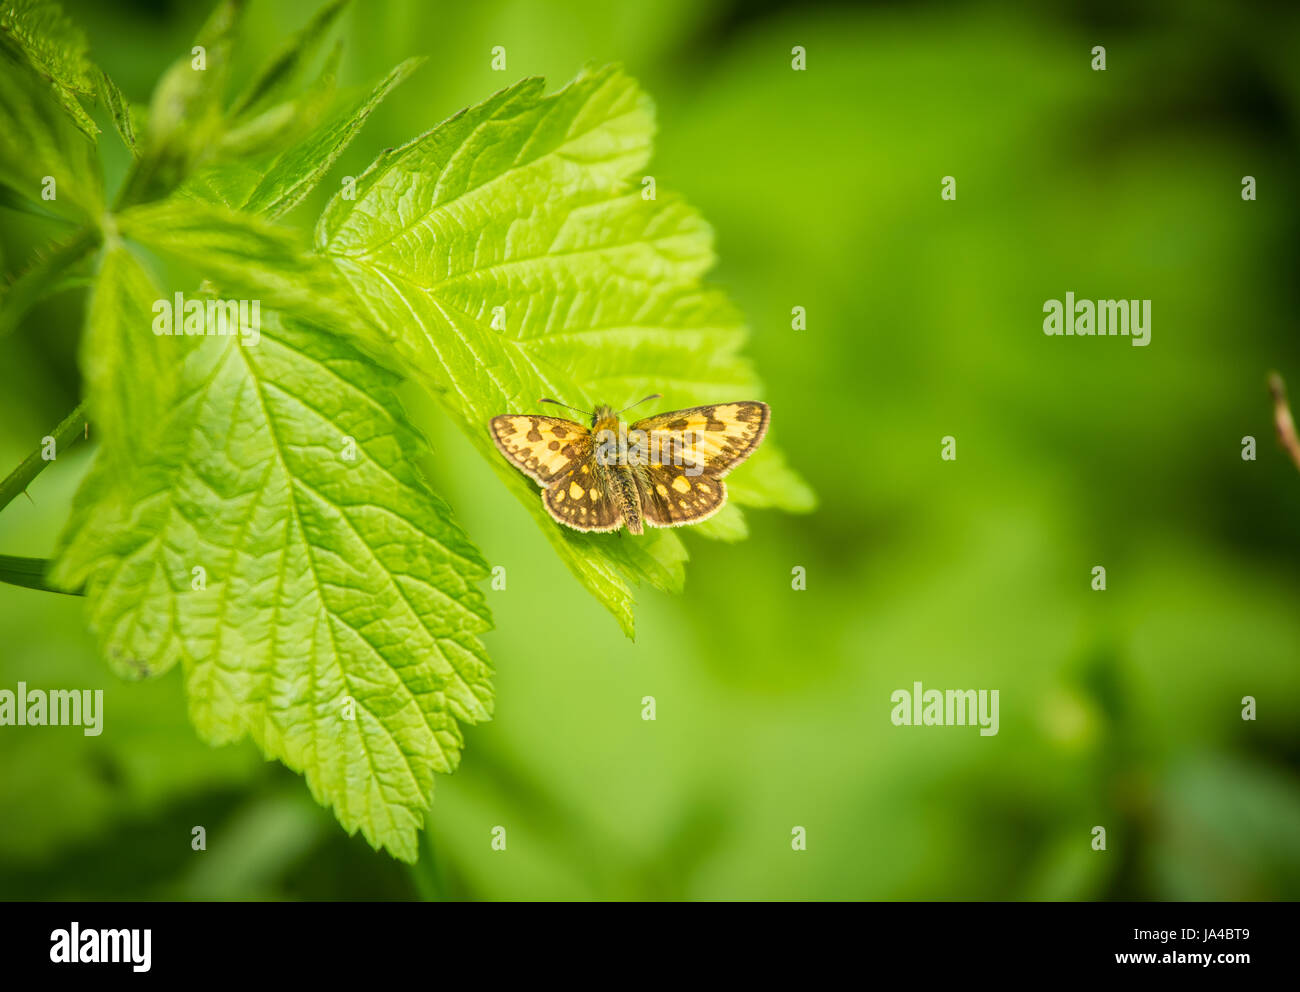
(712, 439)
(581, 499)
(689, 453)
(543, 448)
(670, 497)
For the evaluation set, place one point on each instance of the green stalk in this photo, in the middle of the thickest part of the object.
(20, 478)
(30, 572)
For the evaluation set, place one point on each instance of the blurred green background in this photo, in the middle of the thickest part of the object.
(1119, 708)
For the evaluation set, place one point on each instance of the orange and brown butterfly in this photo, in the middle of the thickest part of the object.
(664, 471)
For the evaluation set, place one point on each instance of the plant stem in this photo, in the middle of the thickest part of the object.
(32, 466)
(1282, 419)
(28, 573)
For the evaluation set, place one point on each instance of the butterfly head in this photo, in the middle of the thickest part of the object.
(604, 417)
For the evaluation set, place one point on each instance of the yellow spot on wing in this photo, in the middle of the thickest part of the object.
(682, 484)
(543, 447)
(575, 490)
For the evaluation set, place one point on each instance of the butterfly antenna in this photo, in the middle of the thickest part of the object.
(652, 396)
(565, 405)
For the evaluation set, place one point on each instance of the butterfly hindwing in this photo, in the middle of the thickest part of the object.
(672, 496)
(582, 499)
(712, 439)
(544, 448)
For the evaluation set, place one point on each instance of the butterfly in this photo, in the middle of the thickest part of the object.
(665, 471)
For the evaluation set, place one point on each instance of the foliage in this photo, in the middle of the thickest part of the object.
(256, 511)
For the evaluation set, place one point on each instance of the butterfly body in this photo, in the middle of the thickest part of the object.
(665, 471)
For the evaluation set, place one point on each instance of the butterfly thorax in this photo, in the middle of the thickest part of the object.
(614, 473)
(610, 438)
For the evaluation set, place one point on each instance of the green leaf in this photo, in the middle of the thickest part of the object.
(119, 108)
(59, 267)
(37, 141)
(255, 142)
(323, 579)
(277, 77)
(129, 372)
(297, 171)
(728, 524)
(275, 187)
(533, 204)
(247, 258)
(185, 122)
(55, 48)
(768, 481)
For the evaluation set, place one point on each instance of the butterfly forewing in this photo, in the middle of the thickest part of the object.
(709, 439)
(544, 448)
